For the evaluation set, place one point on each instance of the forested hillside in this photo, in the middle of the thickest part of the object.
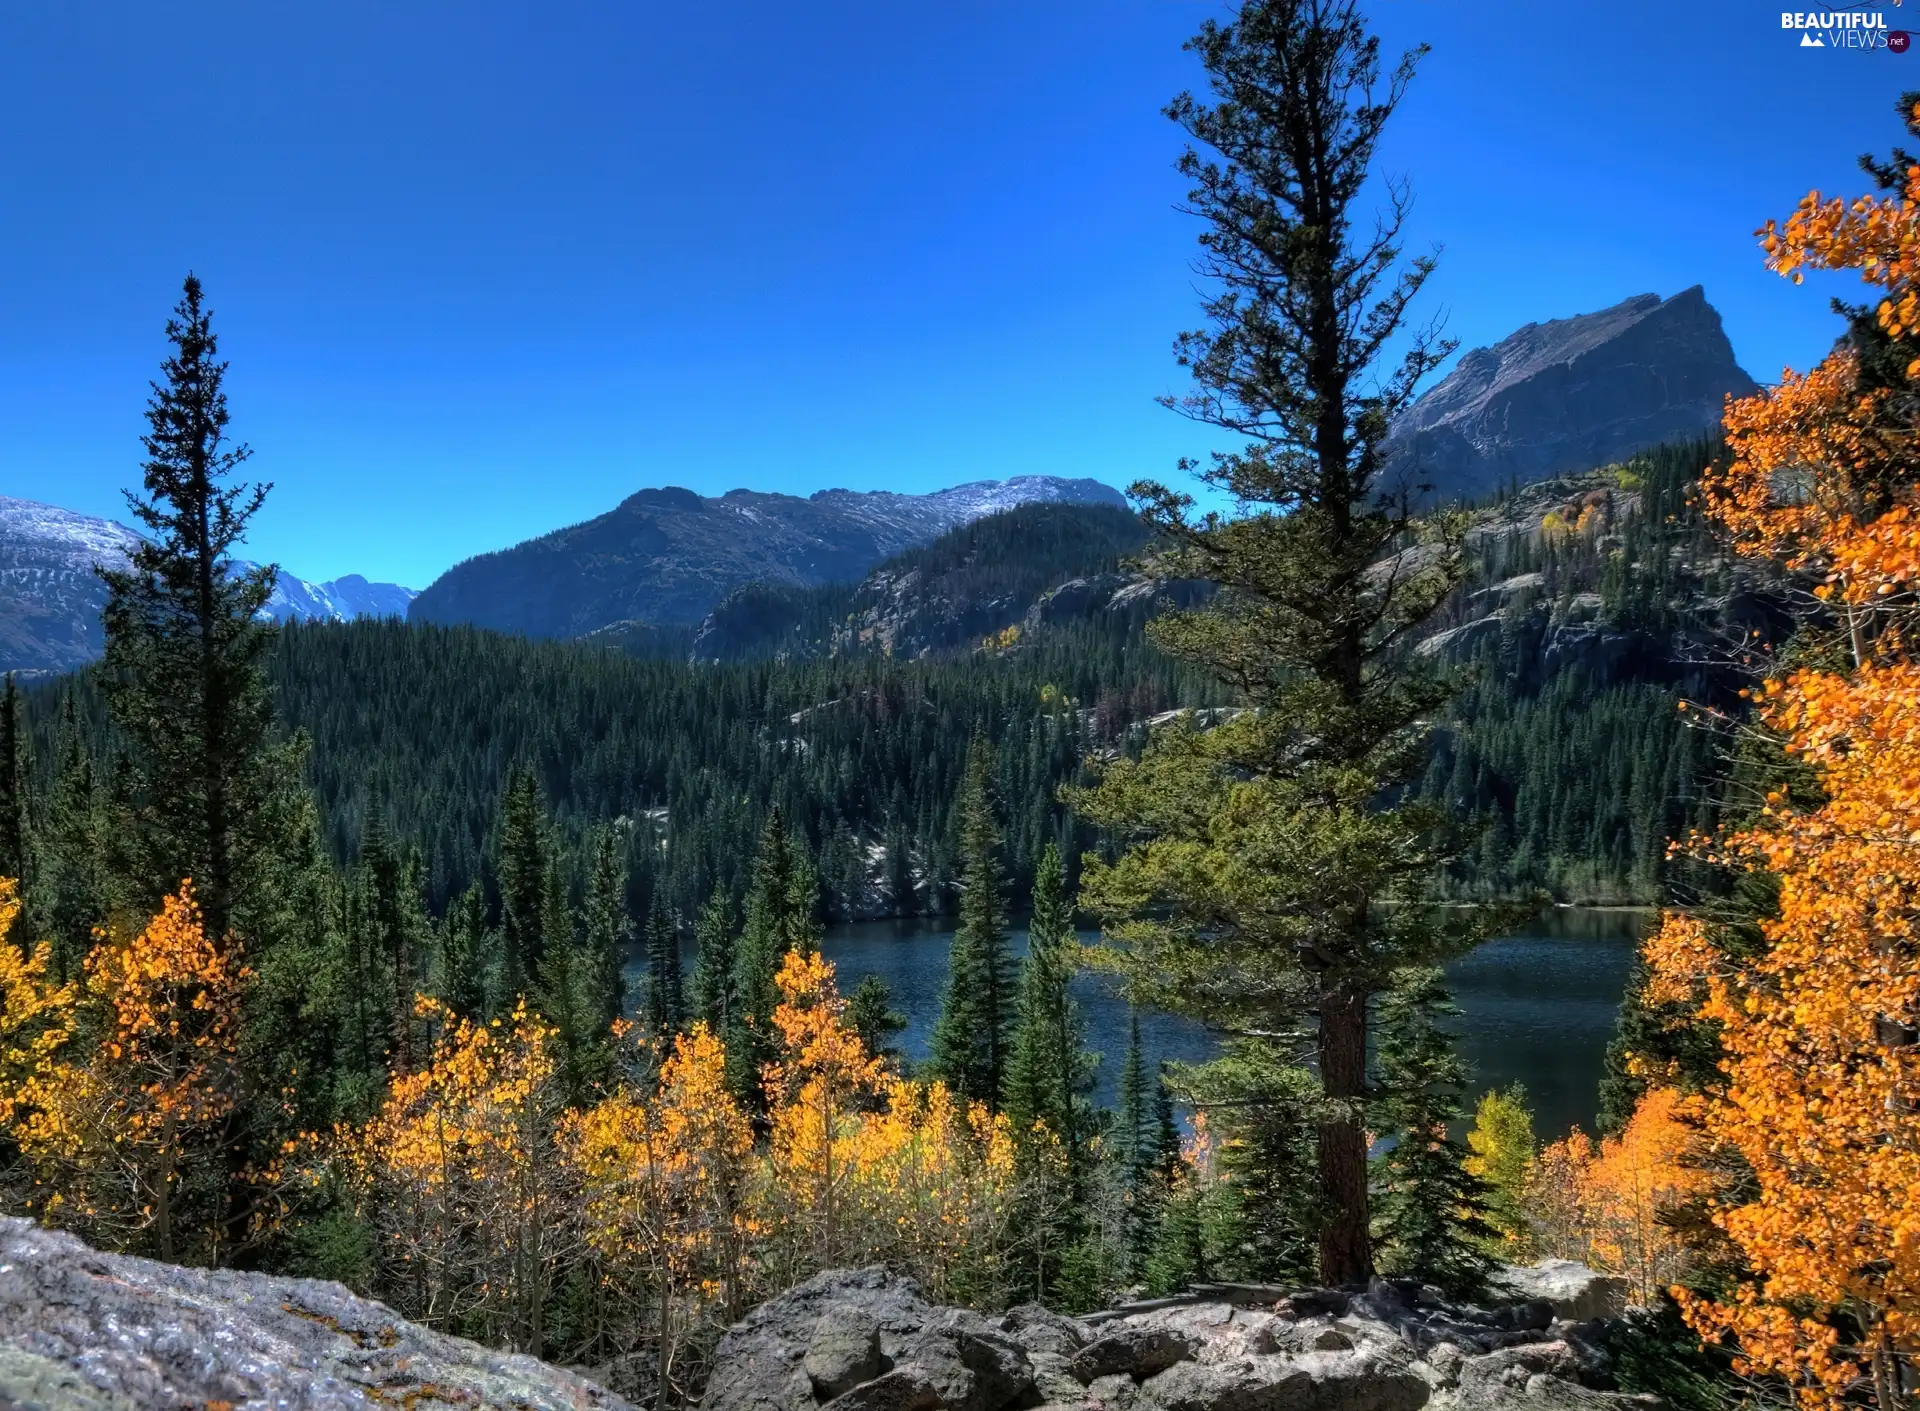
(1581, 626)
(1600, 601)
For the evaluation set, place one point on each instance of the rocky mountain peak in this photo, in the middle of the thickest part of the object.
(1570, 394)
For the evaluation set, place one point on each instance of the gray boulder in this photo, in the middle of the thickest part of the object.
(1574, 1291)
(82, 1330)
(868, 1340)
(1139, 1351)
(842, 1353)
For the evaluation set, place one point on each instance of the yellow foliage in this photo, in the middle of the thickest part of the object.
(459, 1173)
(1602, 1205)
(128, 1143)
(36, 1019)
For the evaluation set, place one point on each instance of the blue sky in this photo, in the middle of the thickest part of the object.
(484, 269)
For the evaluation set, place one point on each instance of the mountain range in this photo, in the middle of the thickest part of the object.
(666, 557)
(667, 565)
(50, 596)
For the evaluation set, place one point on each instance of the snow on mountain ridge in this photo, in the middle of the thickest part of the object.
(50, 596)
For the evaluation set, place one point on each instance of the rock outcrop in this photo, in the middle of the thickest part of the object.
(1571, 394)
(85, 1331)
(867, 1340)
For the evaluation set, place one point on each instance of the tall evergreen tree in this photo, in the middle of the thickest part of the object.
(768, 934)
(522, 866)
(871, 1015)
(184, 675)
(666, 1001)
(1246, 896)
(1049, 1071)
(16, 839)
(461, 953)
(71, 887)
(970, 1038)
(565, 993)
(1134, 1149)
(607, 930)
(1430, 1219)
(713, 967)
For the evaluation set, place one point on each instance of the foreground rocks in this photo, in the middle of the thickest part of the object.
(866, 1340)
(84, 1331)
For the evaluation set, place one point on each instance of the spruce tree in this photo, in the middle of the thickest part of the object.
(522, 867)
(666, 1002)
(1430, 1215)
(16, 839)
(608, 932)
(871, 1015)
(1245, 896)
(765, 938)
(1049, 1071)
(1134, 1150)
(970, 1038)
(71, 890)
(713, 967)
(460, 960)
(184, 675)
(565, 995)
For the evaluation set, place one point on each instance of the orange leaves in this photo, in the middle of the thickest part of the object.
(1878, 236)
(1603, 1205)
(37, 1019)
(1819, 1069)
(128, 1142)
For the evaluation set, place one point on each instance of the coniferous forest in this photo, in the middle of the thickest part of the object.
(485, 973)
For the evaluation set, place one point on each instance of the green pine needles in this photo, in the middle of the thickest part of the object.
(971, 1038)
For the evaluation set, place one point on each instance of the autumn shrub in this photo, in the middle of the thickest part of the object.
(1608, 1204)
(128, 1139)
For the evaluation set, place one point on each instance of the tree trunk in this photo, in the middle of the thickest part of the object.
(1346, 1246)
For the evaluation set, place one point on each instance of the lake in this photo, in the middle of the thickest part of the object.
(1537, 1006)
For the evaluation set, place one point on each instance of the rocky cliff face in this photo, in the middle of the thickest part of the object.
(1571, 394)
(666, 557)
(866, 1340)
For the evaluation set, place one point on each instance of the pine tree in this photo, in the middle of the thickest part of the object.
(1430, 1214)
(71, 891)
(666, 1003)
(565, 995)
(460, 962)
(607, 930)
(184, 675)
(522, 865)
(768, 933)
(713, 967)
(1134, 1152)
(16, 838)
(970, 1038)
(1245, 897)
(1049, 1071)
(871, 1015)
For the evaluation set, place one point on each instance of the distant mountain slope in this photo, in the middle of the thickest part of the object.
(665, 557)
(974, 581)
(1571, 394)
(50, 596)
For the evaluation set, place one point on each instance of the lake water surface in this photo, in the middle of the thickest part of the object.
(1537, 1007)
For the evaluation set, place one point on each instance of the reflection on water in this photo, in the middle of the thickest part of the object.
(1537, 1007)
